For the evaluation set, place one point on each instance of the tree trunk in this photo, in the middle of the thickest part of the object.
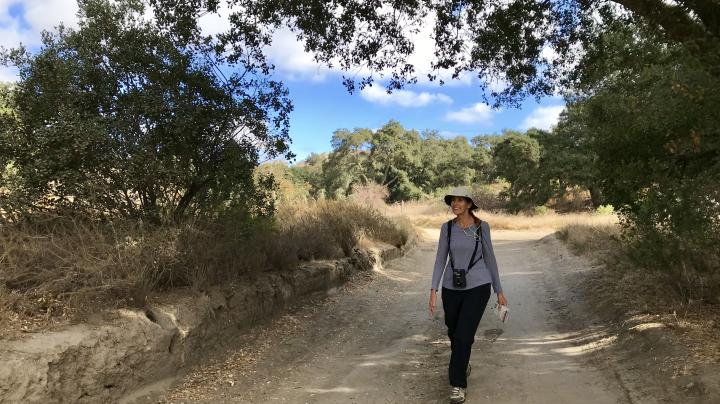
(184, 202)
(596, 196)
(193, 189)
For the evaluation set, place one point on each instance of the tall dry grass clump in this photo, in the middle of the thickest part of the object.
(601, 239)
(669, 280)
(329, 229)
(53, 266)
(371, 194)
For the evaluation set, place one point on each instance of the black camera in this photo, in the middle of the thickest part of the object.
(459, 279)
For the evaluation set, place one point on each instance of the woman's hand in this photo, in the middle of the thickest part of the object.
(501, 299)
(431, 304)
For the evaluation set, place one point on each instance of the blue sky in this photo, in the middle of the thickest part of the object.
(321, 102)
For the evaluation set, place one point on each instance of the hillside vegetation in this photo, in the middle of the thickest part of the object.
(139, 155)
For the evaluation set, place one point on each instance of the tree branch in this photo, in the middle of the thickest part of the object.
(708, 11)
(675, 22)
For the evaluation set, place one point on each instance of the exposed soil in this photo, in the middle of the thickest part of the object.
(666, 348)
(116, 353)
(371, 341)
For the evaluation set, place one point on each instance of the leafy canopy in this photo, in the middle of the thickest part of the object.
(530, 46)
(120, 117)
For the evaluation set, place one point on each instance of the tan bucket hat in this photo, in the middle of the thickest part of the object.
(460, 191)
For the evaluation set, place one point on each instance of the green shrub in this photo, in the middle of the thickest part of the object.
(605, 209)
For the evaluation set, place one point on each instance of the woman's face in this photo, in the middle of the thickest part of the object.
(459, 205)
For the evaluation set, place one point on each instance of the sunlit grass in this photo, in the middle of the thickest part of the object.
(434, 214)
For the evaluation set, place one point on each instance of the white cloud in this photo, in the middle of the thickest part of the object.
(424, 54)
(11, 37)
(497, 84)
(10, 31)
(46, 14)
(477, 113)
(286, 52)
(215, 23)
(543, 117)
(403, 98)
(288, 55)
(39, 16)
(8, 75)
(26, 29)
(548, 53)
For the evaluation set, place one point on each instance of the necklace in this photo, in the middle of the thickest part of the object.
(473, 234)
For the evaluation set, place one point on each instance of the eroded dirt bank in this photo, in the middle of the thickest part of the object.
(107, 359)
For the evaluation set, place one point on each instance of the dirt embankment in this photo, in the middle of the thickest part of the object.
(656, 355)
(107, 358)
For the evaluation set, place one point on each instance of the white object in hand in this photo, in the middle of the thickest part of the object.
(502, 312)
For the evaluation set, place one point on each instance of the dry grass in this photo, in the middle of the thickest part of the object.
(416, 208)
(370, 195)
(636, 294)
(331, 229)
(56, 268)
(590, 238)
(434, 214)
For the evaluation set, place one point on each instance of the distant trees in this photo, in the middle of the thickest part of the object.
(408, 163)
(541, 165)
(567, 158)
(517, 159)
(538, 165)
(346, 163)
(310, 172)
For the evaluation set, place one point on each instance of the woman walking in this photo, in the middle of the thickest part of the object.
(465, 263)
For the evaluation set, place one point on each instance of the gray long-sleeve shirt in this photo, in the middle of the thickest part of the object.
(483, 272)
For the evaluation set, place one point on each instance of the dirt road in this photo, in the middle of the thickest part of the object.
(372, 342)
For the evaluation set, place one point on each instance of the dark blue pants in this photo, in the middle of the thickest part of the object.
(463, 311)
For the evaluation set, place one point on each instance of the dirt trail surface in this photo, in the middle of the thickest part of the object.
(373, 342)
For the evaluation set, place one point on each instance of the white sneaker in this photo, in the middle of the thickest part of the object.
(457, 395)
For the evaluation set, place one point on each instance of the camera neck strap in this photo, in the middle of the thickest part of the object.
(477, 242)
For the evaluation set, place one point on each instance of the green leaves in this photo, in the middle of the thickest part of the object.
(649, 115)
(532, 47)
(408, 163)
(517, 159)
(120, 117)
